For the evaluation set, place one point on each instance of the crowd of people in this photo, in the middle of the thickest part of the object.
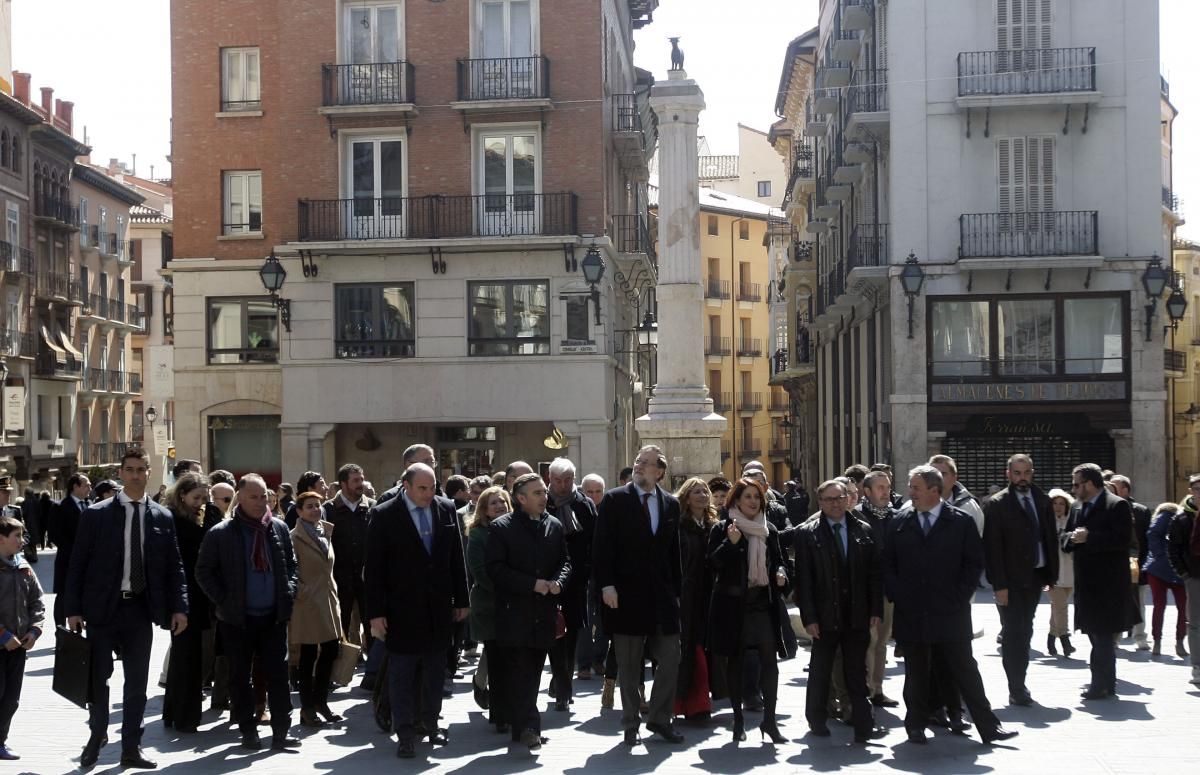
(266, 591)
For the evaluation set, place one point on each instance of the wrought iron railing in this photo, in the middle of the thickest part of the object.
(15, 342)
(868, 92)
(868, 245)
(722, 401)
(1048, 233)
(437, 217)
(1026, 71)
(55, 209)
(631, 234)
(751, 447)
(16, 260)
(1174, 360)
(717, 289)
(1170, 200)
(515, 78)
(626, 116)
(718, 345)
(749, 348)
(376, 83)
(749, 292)
(750, 402)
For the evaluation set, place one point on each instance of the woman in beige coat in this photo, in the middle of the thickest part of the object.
(316, 619)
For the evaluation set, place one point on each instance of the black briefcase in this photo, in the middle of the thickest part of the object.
(72, 666)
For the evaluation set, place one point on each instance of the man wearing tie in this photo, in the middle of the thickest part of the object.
(64, 524)
(932, 557)
(1097, 533)
(416, 585)
(1021, 555)
(637, 567)
(125, 577)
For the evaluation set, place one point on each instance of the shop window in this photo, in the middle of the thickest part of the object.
(1025, 333)
(1093, 337)
(959, 340)
(509, 318)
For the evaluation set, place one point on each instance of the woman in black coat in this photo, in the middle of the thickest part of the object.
(751, 578)
(529, 567)
(697, 517)
(182, 704)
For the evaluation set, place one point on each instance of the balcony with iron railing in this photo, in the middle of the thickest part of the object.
(726, 451)
(722, 401)
(717, 289)
(504, 80)
(1046, 233)
(749, 348)
(750, 402)
(58, 285)
(857, 14)
(718, 345)
(867, 93)
(626, 117)
(57, 366)
(781, 445)
(368, 86)
(15, 343)
(1170, 200)
(1174, 361)
(134, 382)
(116, 381)
(58, 211)
(95, 380)
(751, 447)
(437, 217)
(631, 234)
(751, 292)
(1039, 71)
(868, 245)
(16, 261)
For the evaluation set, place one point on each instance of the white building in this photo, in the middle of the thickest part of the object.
(1011, 147)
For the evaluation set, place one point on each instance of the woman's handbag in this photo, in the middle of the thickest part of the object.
(343, 666)
(560, 624)
(1135, 572)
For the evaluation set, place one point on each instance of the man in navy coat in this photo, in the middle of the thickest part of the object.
(125, 578)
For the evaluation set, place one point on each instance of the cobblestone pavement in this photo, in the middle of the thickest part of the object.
(1148, 730)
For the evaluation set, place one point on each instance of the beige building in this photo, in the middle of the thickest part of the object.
(736, 251)
(1182, 360)
(754, 173)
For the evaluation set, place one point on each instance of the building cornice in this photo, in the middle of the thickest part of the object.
(98, 180)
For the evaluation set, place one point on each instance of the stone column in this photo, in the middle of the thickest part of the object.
(680, 415)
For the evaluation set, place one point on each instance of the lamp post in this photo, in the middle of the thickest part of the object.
(647, 332)
(911, 279)
(272, 275)
(1154, 281)
(1176, 309)
(593, 272)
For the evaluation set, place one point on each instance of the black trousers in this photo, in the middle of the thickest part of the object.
(1103, 661)
(264, 640)
(562, 664)
(519, 689)
(415, 690)
(12, 676)
(1016, 631)
(959, 662)
(853, 644)
(314, 671)
(132, 631)
(768, 676)
(184, 698)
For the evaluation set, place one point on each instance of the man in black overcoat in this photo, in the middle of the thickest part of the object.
(64, 524)
(932, 558)
(636, 566)
(416, 582)
(1097, 534)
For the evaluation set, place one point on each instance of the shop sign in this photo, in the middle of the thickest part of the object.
(1026, 392)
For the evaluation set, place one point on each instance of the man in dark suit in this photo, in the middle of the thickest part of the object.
(347, 511)
(64, 524)
(1021, 554)
(637, 567)
(839, 590)
(932, 558)
(125, 577)
(416, 582)
(1097, 534)
(247, 567)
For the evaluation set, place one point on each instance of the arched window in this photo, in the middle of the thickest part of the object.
(4, 148)
(16, 154)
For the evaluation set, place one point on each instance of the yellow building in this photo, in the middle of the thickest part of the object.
(1181, 360)
(737, 247)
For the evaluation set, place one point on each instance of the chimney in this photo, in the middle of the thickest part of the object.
(68, 116)
(21, 83)
(47, 101)
(114, 166)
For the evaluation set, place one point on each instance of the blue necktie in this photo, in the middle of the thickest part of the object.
(926, 524)
(841, 537)
(426, 531)
(1037, 531)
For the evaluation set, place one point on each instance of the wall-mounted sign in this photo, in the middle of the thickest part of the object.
(14, 409)
(1023, 392)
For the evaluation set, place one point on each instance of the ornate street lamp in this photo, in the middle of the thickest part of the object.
(272, 275)
(593, 272)
(912, 277)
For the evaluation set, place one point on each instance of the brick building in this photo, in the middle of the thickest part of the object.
(431, 177)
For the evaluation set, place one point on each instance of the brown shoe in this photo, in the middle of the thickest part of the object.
(606, 694)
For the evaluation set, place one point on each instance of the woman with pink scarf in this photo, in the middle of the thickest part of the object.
(751, 574)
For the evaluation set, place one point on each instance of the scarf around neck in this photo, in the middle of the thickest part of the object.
(754, 531)
(316, 531)
(566, 514)
(259, 527)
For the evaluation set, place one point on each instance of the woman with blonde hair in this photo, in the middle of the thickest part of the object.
(1060, 593)
(693, 699)
(492, 504)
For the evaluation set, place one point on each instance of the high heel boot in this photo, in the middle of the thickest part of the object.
(739, 725)
(768, 727)
(1050, 646)
(1068, 649)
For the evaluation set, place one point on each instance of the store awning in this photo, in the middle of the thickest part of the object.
(59, 352)
(66, 340)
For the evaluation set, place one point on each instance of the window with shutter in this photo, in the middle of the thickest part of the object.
(1025, 183)
(1022, 27)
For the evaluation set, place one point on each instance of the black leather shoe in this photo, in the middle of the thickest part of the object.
(864, 738)
(1097, 694)
(997, 734)
(405, 750)
(956, 724)
(439, 736)
(940, 719)
(136, 760)
(665, 731)
(1021, 698)
(251, 741)
(632, 737)
(881, 700)
(531, 739)
(91, 751)
(283, 742)
(819, 731)
(917, 736)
